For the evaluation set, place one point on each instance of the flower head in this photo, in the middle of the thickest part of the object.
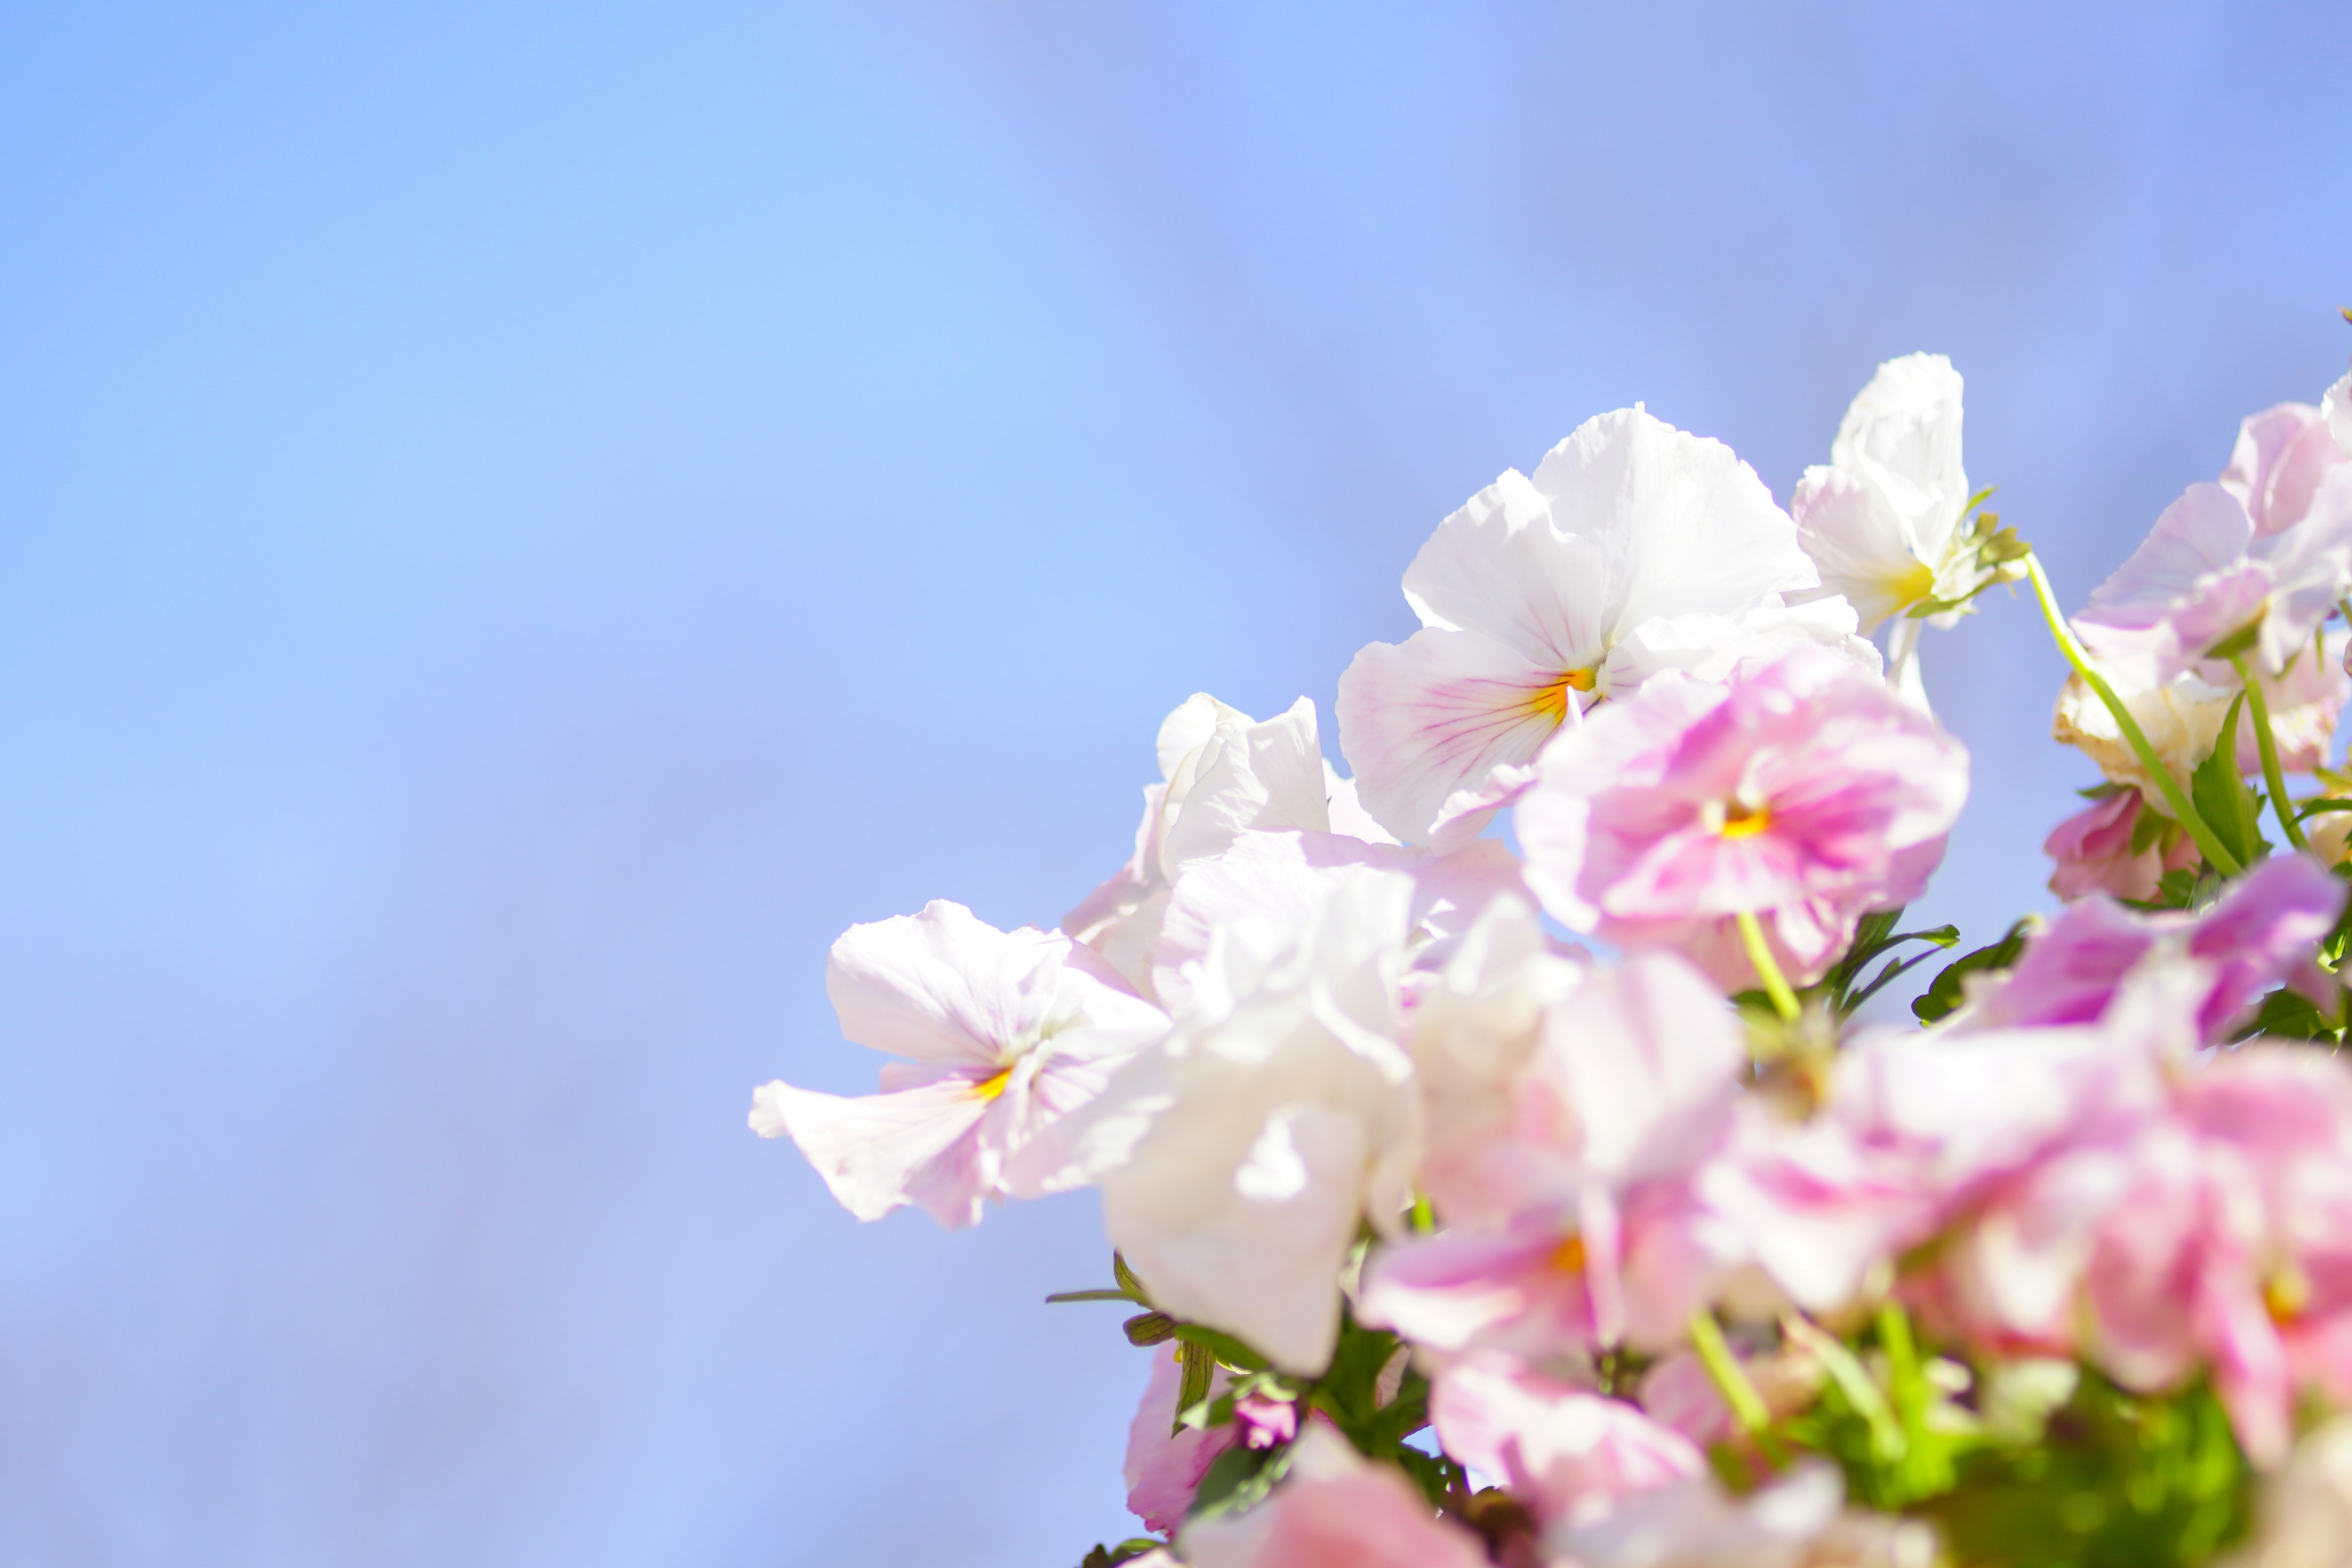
(1333, 1509)
(1634, 548)
(1570, 1454)
(2116, 845)
(1801, 792)
(1007, 1033)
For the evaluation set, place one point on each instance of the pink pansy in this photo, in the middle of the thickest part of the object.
(1634, 548)
(1796, 1521)
(1568, 1453)
(2206, 572)
(1282, 873)
(1334, 1510)
(1007, 1033)
(2283, 456)
(2093, 854)
(1164, 1465)
(1577, 1225)
(1803, 792)
(2259, 932)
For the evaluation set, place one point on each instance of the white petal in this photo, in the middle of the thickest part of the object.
(943, 985)
(1255, 777)
(1499, 567)
(1859, 543)
(2338, 407)
(880, 1151)
(1435, 714)
(1902, 437)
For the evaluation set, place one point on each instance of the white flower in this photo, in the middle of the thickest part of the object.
(2305, 1515)
(1237, 1159)
(1882, 521)
(2336, 408)
(1634, 547)
(1006, 1032)
(1222, 773)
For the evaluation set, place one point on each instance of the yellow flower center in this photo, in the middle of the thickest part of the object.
(1551, 702)
(1741, 822)
(1910, 584)
(1568, 1255)
(990, 1087)
(2285, 1294)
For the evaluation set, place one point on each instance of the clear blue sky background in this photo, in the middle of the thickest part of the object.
(519, 522)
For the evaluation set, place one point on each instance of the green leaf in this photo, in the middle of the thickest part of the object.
(1125, 1551)
(1059, 1296)
(2289, 1015)
(1944, 995)
(1127, 1281)
(1236, 1479)
(1216, 1346)
(2221, 797)
(2325, 803)
(1192, 1389)
(2175, 889)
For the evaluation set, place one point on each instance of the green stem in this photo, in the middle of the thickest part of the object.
(1759, 955)
(1731, 1381)
(2273, 774)
(2175, 796)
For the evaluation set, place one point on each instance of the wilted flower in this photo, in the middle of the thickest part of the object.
(2182, 718)
(1635, 548)
(1801, 792)
(1007, 1033)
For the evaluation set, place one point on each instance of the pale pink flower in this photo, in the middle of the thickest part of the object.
(2092, 849)
(1568, 1453)
(2283, 456)
(2260, 931)
(1334, 1510)
(2207, 572)
(1803, 792)
(1635, 548)
(1164, 1465)
(1576, 1226)
(1007, 1033)
(1222, 773)
(2181, 719)
(1796, 1521)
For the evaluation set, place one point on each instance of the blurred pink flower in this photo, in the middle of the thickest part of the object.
(1803, 792)
(2282, 458)
(1008, 1033)
(1334, 1510)
(1576, 1224)
(2262, 932)
(1164, 1467)
(2092, 849)
(1566, 1452)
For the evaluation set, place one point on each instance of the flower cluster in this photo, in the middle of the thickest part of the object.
(1502, 1158)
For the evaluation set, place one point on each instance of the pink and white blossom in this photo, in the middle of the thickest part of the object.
(1222, 773)
(2283, 458)
(1578, 1226)
(1006, 1035)
(1570, 1455)
(2093, 850)
(1801, 792)
(1635, 548)
(2182, 718)
(1238, 1158)
(2260, 931)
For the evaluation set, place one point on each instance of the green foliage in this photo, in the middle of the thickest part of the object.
(1126, 1551)
(1944, 995)
(2289, 1015)
(2118, 1480)
(1876, 934)
(2221, 797)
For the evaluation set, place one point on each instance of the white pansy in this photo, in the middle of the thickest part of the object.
(1222, 773)
(1633, 547)
(1237, 1159)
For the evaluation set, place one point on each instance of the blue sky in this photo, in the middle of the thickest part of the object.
(517, 524)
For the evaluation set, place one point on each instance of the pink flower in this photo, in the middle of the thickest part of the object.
(2208, 572)
(2284, 455)
(1334, 1510)
(1008, 1033)
(1577, 1225)
(2263, 931)
(1164, 1467)
(1803, 792)
(2093, 851)
(1568, 1453)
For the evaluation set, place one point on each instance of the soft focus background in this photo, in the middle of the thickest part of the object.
(521, 521)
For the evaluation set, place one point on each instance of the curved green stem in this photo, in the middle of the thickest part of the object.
(1767, 969)
(2175, 796)
(2273, 774)
(1731, 1381)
